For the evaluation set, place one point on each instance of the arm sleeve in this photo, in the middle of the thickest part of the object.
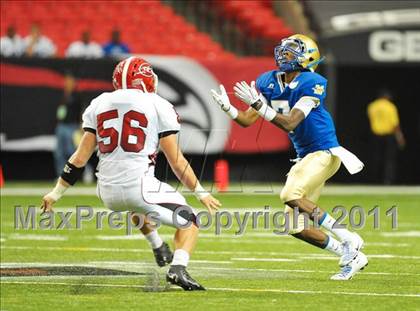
(89, 119)
(311, 95)
(168, 118)
(306, 104)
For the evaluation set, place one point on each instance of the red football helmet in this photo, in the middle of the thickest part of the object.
(135, 73)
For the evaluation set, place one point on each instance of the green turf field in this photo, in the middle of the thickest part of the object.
(106, 270)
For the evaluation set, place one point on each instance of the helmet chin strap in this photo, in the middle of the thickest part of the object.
(154, 86)
(290, 66)
(143, 86)
(316, 63)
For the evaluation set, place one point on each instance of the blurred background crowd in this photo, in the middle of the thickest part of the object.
(372, 51)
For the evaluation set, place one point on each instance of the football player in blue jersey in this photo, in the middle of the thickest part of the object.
(292, 98)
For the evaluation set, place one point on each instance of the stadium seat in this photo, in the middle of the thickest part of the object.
(146, 26)
(255, 18)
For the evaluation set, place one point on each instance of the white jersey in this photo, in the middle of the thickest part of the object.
(80, 49)
(128, 124)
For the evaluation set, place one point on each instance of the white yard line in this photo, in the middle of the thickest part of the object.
(132, 265)
(225, 289)
(245, 189)
(232, 236)
(69, 277)
(209, 237)
(37, 237)
(300, 271)
(265, 259)
(401, 234)
(309, 256)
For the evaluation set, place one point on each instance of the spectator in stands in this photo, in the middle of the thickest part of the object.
(69, 113)
(38, 45)
(387, 136)
(115, 47)
(85, 48)
(11, 45)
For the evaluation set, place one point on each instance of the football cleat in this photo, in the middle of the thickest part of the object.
(347, 272)
(351, 249)
(163, 255)
(179, 276)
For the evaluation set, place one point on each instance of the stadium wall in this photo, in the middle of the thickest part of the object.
(31, 89)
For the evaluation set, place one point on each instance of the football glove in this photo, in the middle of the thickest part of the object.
(246, 93)
(249, 95)
(222, 100)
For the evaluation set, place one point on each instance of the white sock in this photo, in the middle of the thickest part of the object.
(181, 257)
(334, 246)
(154, 239)
(327, 222)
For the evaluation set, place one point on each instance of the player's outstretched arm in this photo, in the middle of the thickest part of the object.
(243, 118)
(249, 95)
(287, 123)
(185, 173)
(71, 171)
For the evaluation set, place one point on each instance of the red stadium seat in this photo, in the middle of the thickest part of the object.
(256, 18)
(146, 26)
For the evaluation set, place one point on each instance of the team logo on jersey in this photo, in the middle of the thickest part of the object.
(271, 86)
(318, 89)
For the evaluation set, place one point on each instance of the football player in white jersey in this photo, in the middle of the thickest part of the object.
(128, 125)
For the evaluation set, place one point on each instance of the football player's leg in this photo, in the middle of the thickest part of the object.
(307, 174)
(329, 242)
(161, 250)
(176, 213)
(185, 240)
(305, 181)
(312, 235)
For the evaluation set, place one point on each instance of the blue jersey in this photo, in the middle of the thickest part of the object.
(316, 132)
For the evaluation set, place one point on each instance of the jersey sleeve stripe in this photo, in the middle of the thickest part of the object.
(167, 133)
(88, 129)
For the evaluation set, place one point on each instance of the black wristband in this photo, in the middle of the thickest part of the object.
(71, 173)
(257, 105)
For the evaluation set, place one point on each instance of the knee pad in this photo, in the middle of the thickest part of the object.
(300, 225)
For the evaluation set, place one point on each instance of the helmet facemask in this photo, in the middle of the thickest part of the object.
(293, 47)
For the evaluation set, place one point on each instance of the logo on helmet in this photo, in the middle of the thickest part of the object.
(146, 70)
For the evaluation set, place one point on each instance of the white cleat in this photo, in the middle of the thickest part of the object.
(351, 249)
(347, 272)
